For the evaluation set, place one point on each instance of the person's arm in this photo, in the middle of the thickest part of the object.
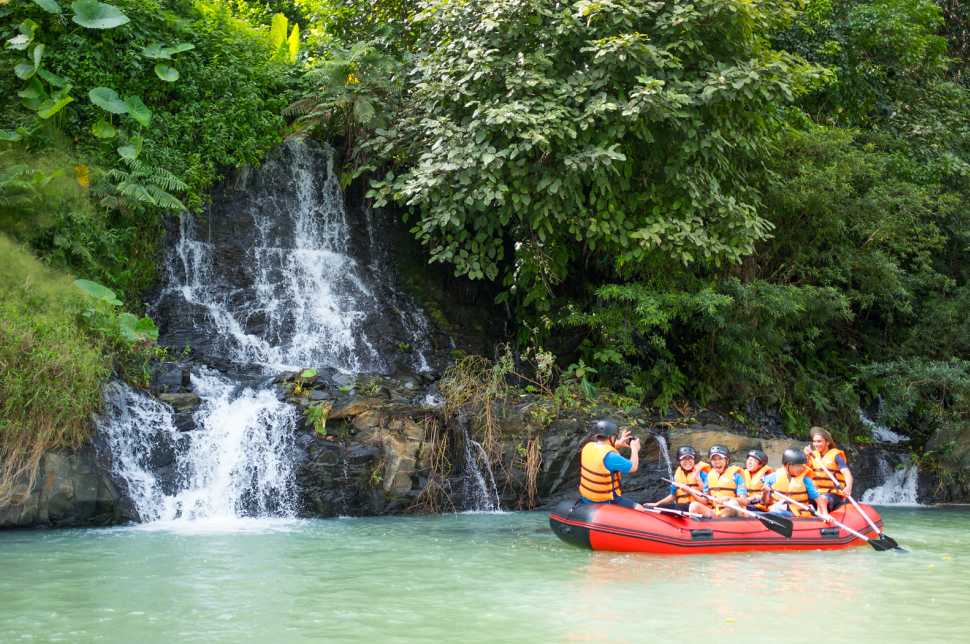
(702, 475)
(820, 500)
(844, 468)
(670, 498)
(740, 489)
(634, 454)
(766, 482)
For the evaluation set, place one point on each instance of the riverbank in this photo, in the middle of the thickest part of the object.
(470, 578)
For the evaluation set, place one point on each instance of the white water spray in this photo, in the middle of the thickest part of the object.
(900, 486)
(880, 433)
(662, 442)
(483, 497)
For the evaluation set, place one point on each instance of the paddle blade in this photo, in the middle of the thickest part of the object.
(889, 541)
(781, 525)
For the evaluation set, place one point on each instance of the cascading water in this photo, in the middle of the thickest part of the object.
(298, 298)
(665, 454)
(880, 433)
(480, 494)
(267, 281)
(900, 486)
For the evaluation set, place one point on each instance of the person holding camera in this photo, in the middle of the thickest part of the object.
(602, 466)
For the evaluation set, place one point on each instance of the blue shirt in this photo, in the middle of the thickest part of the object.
(770, 479)
(614, 463)
(673, 488)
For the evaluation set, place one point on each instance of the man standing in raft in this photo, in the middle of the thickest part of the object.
(690, 473)
(602, 466)
(756, 467)
(827, 457)
(794, 480)
(725, 483)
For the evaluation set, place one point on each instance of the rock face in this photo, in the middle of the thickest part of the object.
(69, 491)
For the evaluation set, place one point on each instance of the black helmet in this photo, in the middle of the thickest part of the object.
(794, 456)
(758, 454)
(719, 450)
(686, 451)
(606, 428)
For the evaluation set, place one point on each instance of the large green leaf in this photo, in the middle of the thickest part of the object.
(134, 330)
(24, 69)
(55, 104)
(132, 149)
(277, 32)
(20, 41)
(166, 73)
(178, 49)
(138, 110)
(33, 90)
(98, 291)
(48, 5)
(10, 136)
(108, 100)
(154, 50)
(293, 44)
(53, 79)
(97, 15)
(103, 130)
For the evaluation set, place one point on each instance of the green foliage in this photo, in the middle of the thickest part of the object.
(569, 131)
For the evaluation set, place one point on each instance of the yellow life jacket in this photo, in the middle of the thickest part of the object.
(597, 483)
(722, 485)
(691, 481)
(754, 484)
(822, 482)
(794, 488)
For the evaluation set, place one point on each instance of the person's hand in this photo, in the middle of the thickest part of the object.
(848, 491)
(826, 517)
(807, 450)
(624, 438)
(635, 444)
(650, 505)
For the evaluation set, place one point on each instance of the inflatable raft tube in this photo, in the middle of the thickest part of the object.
(616, 529)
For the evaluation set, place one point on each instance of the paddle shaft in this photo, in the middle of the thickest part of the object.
(679, 513)
(805, 507)
(848, 496)
(708, 496)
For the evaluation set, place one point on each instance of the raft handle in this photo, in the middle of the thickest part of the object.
(702, 535)
(830, 532)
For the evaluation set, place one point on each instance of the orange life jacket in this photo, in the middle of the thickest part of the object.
(795, 489)
(754, 484)
(691, 481)
(597, 483)
(822, 481)
(722, 485)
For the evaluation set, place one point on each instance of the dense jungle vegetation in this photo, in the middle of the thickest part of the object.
(711, 199)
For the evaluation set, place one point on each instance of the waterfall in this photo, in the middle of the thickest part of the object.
(880, 433)
(899, 486)
(298, 297)
(271, 278)
(481, 496)
(662, 442)
(236, 464)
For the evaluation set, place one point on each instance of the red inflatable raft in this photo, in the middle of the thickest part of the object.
(616, 529)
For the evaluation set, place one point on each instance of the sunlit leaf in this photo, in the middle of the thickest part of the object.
(97, 15)
(53, 79)
(108, 100)
(98, 291)
(178, 49)
(166, 73)
(154, 50)
(9, 136)
(138, 110)
(132, 149)
(103, 130)
(294, 43)
(48, 5)
(277, 32)
(54, 105)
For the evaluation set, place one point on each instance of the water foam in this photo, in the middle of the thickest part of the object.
(900, 487)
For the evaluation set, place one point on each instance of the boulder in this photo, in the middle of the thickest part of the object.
(68, 490)
(702, 437)
(183, 403)
(353, 406)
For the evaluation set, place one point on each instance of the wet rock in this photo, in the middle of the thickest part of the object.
(68, 490)
(317, 394)
(184, 422)
(353, 406)
(183, 403)
(702, 437)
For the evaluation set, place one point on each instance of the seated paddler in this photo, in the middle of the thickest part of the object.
(794, 480)
(602, 466)
(690, 473)
(725, 483)
(824, 457)
(755, 468)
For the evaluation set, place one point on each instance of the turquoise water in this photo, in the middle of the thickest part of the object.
(472, 578)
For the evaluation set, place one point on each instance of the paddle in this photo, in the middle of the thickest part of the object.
(677, 513)
(781, 525)
(876, 544)
(886, 539)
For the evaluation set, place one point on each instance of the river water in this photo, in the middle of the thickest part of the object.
(471, 578)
